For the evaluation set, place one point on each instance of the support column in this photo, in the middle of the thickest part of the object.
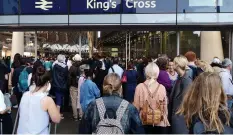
(90, 36)
(35, 45)
(178, 43)
(17, 43)
(211, 45)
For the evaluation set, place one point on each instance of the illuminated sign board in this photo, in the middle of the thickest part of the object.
(8, 7)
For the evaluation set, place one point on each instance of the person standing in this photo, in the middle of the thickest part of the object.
(36, 107)
(130, 79)
(226, 78)
(116, 68)
(89, 90)
(150, 97)
(172, 73)
(179, 90)
(60, 79)
(74, 75)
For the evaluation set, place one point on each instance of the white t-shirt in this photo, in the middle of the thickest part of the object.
(2, 102)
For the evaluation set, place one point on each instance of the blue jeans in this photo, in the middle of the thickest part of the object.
(230, 103)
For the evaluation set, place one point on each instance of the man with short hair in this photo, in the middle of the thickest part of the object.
(226, 78)
(116, 68)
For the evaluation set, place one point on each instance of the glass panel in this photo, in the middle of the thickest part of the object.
(190, 41)
(225, 43)
(8, 7)
(189, 6)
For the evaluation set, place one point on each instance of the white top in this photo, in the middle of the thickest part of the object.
(32, 118)
(226, 81)
(2, 103)
(117, 69)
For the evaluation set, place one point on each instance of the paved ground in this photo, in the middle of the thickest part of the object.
(67, 125)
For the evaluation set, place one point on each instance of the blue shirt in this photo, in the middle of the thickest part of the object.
(88, 92)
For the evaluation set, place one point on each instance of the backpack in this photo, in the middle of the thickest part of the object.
(23, 81)
(107, 125)
(151, 115)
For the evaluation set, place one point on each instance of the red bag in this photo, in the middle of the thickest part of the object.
(124, 78)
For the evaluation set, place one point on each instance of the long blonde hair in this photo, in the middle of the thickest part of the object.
(205, 99)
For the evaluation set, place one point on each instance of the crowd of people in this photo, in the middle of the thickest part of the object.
(181, 95)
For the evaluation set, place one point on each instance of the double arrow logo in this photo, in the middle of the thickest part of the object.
(44, 5)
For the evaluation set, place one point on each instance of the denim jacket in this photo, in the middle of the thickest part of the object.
(130, 121)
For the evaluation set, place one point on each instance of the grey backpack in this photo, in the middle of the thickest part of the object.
(107, 125)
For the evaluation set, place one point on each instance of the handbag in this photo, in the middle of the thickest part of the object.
(124, 78)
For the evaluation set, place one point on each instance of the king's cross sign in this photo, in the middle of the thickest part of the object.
(44, 5)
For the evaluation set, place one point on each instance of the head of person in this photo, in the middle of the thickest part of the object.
(171, 66)
(205, 99)
(61, 58)
(180, 63)
(227, 64)
(115, 61)
(191, 56)
(23, 61)
(205, 67)
(130, 65)
(42, 78)
(77, 58)
(112, 84)
(88, 73)
(17, 57)
(162, 63)
(152, 73)
(216, 62)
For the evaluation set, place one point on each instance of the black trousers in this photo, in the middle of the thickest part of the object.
(149, 129)
(7, 123)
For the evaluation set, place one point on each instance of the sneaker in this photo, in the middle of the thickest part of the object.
(16, 106)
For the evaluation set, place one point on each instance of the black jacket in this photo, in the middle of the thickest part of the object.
(131, 122)
(60, 77)
(74, 74)
(176, 97)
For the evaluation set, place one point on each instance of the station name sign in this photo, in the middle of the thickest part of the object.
(106, 5)
(44, 7)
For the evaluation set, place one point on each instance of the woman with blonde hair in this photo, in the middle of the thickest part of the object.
(204, 107)
(108, 107)
(204, 66)
(150, 96)
(178, 91)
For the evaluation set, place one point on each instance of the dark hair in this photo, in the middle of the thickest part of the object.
(41, 77)
(99, 64)
(17, 57)
(23, 61)
(130, 65)
(115, 61)
(88, 72)
(162, 63)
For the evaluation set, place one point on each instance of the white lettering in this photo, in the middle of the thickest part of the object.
(89, 4)
(106, 6)
(153, 4)
(114, 4)
(141, 4)
(127, 4)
